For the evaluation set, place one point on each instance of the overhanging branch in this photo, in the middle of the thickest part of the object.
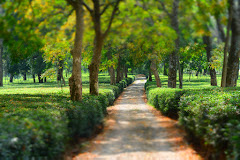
(111, 19)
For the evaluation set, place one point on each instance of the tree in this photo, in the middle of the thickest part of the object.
(233, 59)
(224, 69)
(75, 81)
(37, 66)
(202, 21)
(1, 63)
(96, 14)
(174, 57)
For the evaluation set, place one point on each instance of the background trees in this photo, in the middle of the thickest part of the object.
(120, 36)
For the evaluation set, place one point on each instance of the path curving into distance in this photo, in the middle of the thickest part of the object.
(136, 133)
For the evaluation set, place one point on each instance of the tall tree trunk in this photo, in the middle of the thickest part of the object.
(207, 41)
(225, 59)
(122, 72)
(172, 73)
(75, 81)
(221, 33)
(40, 80)
(33, 76)
(204, 72)
(60, 70)
(175, 26)
(45, 80)
(24, 76)
(179, 73)
(63, 80)
(233, 59)
(94, 66)
(126, 71)
(155, 72)
(119, 70)
(111, 71)
(1, 63)
(182, 67)
(150, 75)
(96, 14)
(11, 78)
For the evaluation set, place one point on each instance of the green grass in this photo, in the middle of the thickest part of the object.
(27, 94)
(194, 82)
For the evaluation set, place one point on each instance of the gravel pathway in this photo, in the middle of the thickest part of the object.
(137, 133)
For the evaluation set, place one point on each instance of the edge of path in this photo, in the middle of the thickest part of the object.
(175, 133)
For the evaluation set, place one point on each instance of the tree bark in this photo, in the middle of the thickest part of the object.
(40, 80)
(33, 76)
(60, 70)
(233, 59)
(75, 81)
(172, 71)
(173, 58)
(150, 75)
(63, 80)
(155, 72)
(225, 59)
(111, 71)
(98, 41)
(119, 70)
(207, 41)
(126, 71)
(11, 78)
(1, 63)
(94, 66)
(221, 33)
(24, 76)
(179, 73)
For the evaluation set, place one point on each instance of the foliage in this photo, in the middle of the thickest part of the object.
(41, 122)
(207, 114)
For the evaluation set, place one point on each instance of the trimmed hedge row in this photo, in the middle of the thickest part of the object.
(212, 116)
(44, 132)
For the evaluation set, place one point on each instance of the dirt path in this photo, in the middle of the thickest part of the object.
(136, 133)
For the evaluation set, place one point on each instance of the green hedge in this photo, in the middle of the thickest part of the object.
(210, 116)
(164, 99)
(41, 131)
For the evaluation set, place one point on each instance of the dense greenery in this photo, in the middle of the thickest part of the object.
(48, 39)
(207, 114)
(40, 122)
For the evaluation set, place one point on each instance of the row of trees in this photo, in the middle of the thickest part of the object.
(119, 34)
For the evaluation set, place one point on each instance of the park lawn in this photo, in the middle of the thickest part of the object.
(25, 94)
(202, 81)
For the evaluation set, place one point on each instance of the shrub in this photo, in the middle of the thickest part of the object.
(32, 133)
(164, 99)
(211, 116)
(206, 115)
(36, 129)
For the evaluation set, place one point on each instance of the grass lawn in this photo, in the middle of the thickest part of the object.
(26, 94)
(193, 82)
